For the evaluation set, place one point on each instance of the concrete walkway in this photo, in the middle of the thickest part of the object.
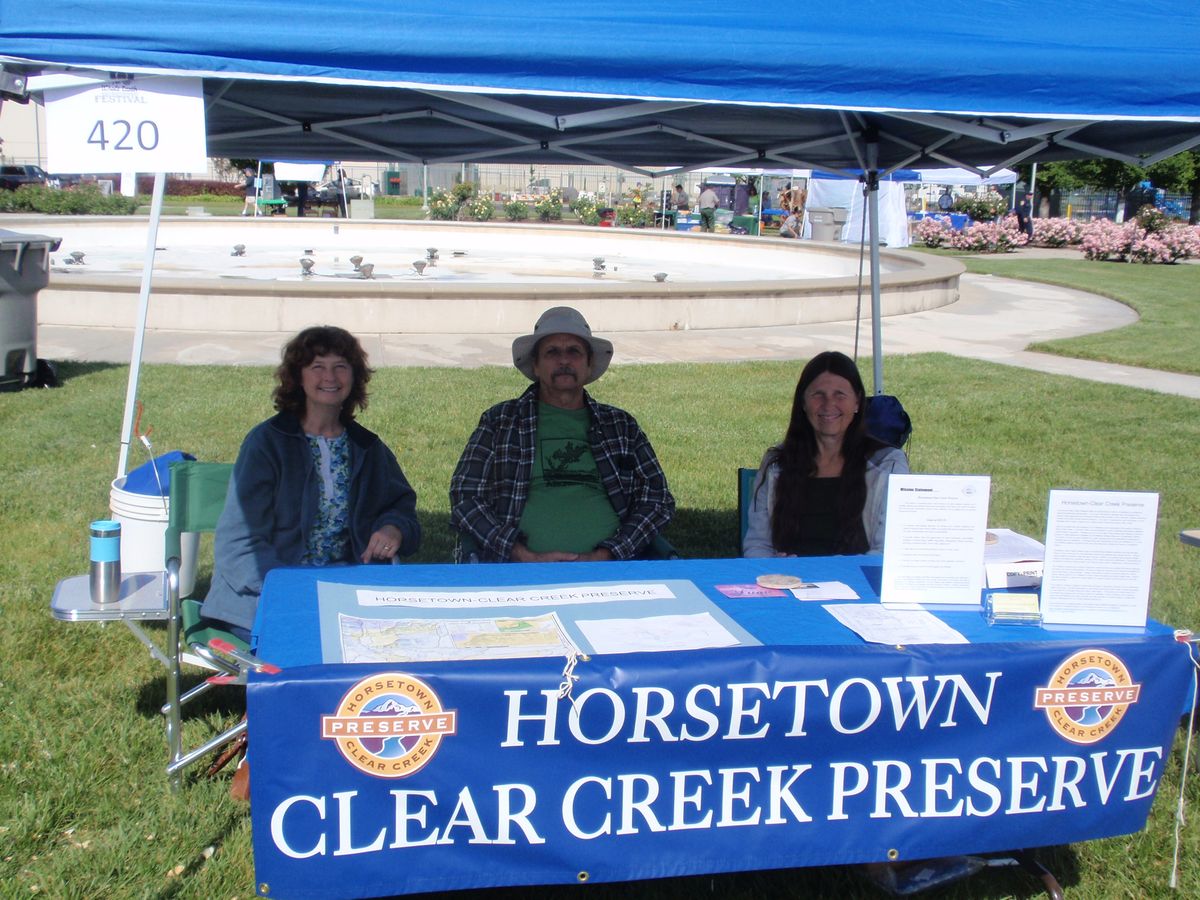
(994, 320)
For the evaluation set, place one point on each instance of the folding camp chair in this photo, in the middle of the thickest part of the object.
(197, 494)
(744, 495)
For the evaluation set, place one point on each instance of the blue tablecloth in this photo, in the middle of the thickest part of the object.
(811, 748)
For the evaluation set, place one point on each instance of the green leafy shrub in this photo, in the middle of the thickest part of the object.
(516, 211)
(478, 209)
(588, 209)
(985, 208)
(632, 215)
(549, 208)
(82, 200)
(1153, 220)
(463, 191)
(443, 207)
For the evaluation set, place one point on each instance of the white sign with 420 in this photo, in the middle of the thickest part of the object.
(143, 123)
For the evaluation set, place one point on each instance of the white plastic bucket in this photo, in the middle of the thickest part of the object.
(143, 519)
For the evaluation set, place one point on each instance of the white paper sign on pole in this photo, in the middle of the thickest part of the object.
(1099, 556)
(934, 542)
(145, 123)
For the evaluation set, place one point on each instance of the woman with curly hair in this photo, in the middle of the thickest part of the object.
(823, 491)
(311, 487)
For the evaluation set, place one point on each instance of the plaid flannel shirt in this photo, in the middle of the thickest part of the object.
(491, 482)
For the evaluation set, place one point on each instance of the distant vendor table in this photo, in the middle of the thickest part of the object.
(957, 221)
(787, 742)
(273, 207)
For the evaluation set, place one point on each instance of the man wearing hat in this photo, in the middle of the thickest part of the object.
(554, 476)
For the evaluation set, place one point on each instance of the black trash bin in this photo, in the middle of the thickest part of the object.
(24, 270)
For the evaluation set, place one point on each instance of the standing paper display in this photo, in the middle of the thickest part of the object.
(1099, 554)
(934, 542)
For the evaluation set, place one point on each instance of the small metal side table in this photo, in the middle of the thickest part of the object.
(142, 600)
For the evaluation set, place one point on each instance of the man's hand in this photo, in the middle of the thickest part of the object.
(600, 554)
(521, 553)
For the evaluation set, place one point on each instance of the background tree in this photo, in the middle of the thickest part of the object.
(1178, 174)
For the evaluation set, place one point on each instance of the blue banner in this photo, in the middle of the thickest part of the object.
(376, 780)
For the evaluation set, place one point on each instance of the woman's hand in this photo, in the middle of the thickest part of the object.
(384, 544)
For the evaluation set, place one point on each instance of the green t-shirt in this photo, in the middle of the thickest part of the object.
(567, 509)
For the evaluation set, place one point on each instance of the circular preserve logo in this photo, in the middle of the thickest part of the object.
(1087, 696)
(389, 725)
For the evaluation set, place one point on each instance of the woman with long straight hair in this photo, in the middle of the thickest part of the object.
(823, 491)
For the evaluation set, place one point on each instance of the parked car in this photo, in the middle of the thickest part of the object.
(331, 191)
(12, 177)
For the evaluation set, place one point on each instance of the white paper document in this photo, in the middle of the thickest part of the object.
(656, 633)
(877, 625)
(1012, 560)
(825, 590)
(1099, 554)
(934, 542)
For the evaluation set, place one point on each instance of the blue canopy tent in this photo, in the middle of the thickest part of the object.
(872, 85)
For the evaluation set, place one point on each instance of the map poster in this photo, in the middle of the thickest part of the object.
(362, 624)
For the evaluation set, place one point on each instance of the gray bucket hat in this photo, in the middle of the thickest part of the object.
(561, 320)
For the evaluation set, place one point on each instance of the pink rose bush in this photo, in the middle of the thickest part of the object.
(1055, 232)
(1146, 239)
(1168, 243)
(932, 233)
(1000, 236)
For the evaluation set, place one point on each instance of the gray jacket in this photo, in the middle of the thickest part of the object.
(757, 541)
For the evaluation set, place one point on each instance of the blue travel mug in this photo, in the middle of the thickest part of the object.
(106, 561)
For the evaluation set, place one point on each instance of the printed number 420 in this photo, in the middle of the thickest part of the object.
(122, 135)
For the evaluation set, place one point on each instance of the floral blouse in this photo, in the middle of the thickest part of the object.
(329, 539)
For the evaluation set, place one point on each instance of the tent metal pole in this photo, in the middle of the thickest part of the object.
(872, 175)
(139, 333)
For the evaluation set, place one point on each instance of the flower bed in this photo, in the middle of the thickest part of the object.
(1150, 238)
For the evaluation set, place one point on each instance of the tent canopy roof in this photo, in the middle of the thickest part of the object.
(623, 83)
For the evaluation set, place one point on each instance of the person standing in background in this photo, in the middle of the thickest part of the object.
(708, 208)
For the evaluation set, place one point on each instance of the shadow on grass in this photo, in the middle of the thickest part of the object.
(222, 700)
(181, 877)
(999, 882)
(67, 370)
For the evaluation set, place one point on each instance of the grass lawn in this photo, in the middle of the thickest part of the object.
(1166, 298)
(84, 810)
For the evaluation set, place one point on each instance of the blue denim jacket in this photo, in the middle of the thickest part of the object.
(272, 504)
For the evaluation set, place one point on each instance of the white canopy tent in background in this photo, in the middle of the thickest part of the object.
(967, 177)
(540, 84)
(848, 194)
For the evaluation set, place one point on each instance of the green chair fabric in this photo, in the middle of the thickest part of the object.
(197, 633)
(198, 492)
(745, 487)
